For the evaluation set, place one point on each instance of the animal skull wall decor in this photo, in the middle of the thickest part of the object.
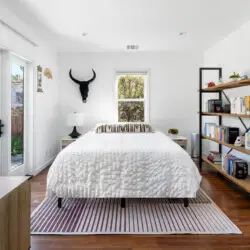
(84, 85)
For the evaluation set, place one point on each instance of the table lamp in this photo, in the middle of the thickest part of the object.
(75, 120)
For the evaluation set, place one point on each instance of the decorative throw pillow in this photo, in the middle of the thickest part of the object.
(124, 128)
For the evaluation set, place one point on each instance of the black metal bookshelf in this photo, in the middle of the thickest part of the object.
(219, 89)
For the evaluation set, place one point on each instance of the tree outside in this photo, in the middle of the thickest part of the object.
(131, 87)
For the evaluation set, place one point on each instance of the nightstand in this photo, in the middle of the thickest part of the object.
(181, 140)
(66, 141)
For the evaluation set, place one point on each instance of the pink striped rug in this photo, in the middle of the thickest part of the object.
(141, 216)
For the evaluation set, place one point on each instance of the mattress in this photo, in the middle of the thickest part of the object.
(128, 165)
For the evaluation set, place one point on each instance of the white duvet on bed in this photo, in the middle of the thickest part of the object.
(123, 165)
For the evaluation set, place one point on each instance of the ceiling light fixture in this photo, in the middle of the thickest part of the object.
(183, 33)
(84, 34)
(132, 47)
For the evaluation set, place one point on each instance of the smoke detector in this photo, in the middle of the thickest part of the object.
(183, 33)
(132, 47)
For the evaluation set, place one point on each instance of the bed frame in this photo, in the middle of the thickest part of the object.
(123, 202)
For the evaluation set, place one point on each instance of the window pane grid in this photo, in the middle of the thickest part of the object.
(131, 96)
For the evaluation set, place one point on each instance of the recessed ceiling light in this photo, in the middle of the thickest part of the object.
(132, 47)
(183, 33)
(84, 34)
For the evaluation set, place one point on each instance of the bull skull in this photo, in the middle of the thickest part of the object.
(84, 85)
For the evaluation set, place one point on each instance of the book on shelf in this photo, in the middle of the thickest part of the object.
(221, 133)
(235, 167)
(230, 164)
(240, 105)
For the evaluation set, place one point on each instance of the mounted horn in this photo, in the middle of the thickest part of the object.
(93, 78)
(84, 85)
(80, 82)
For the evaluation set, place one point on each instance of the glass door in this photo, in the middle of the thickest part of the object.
(18, 79)
(13, 107)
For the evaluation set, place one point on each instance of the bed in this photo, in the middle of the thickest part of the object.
(123, 165)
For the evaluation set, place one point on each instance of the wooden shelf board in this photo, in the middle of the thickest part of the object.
(240, 149)
(229, 85)
(244, 184)
(225, 114)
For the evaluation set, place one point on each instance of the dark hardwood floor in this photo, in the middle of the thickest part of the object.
(234, 203)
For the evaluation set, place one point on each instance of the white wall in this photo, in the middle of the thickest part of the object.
(232, 54)
(173, 87)
(45, 143)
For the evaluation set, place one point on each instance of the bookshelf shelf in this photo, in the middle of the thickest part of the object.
(229, 85)
(240, 149)
(226, 114)
(244, 184)
(218, 89)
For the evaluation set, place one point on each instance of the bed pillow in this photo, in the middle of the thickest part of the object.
(124, 128)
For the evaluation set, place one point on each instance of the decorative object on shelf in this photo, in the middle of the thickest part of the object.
(244, 77)
(221, 81)
(173, 131)
(39, 79)
(215, 105)
(235, 76)
(240, 141)
(211, 84)
(84, 85)
(227, 108)
(48, 73)
(76, 119)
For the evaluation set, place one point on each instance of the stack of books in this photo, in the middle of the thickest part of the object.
(240, 105)
(214, 157)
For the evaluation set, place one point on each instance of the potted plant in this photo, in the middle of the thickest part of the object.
(173, 131)
(235, 76)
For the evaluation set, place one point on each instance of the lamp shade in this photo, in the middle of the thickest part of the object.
(76, 119)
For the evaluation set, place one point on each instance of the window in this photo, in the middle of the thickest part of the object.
(132, 99)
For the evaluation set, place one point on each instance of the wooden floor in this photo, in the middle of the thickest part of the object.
(233, 202)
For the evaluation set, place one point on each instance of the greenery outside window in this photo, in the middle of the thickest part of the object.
(132, 96)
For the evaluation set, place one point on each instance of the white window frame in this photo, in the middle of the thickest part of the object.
(138, 72)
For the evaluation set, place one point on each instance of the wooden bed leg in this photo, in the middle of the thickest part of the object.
(123, 203)
(186, 202)
(59, 202)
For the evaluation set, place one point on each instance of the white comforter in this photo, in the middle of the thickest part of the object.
(123, 165)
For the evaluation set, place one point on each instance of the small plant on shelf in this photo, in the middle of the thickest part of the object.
(235, 76)
(173, 131)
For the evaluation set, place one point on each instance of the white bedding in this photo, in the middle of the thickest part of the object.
(123, 165)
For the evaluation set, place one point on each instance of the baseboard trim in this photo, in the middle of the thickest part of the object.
(45, 165)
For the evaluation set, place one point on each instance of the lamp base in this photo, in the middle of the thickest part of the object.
(74, 133)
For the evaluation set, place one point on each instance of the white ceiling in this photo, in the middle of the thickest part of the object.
(112, 24)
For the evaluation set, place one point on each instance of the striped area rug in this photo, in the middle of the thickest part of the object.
(141, 216)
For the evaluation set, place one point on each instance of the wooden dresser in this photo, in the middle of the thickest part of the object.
(14, 213)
